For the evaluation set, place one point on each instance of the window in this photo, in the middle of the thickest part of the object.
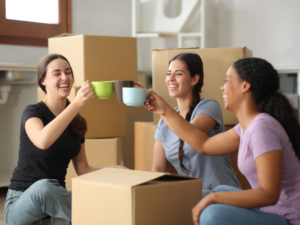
(32, 22)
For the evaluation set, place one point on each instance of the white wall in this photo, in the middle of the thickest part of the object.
(270, 28)
(101, 17)
(21, 54)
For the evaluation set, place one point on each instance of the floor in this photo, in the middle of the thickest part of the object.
(2, 199)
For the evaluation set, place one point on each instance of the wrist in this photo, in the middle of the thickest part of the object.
(167, 111)
(212, 198)
(75, 105)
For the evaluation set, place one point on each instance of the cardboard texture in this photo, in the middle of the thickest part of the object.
(127, 197)
(144, 145)
(99, 152)
(105, 117)
(97, 58)
(133, 114)
(216, 62)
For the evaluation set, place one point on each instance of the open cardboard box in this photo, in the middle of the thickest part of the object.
(114, 196)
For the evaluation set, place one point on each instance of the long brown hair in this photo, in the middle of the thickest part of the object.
(195, 66)
(78, 124)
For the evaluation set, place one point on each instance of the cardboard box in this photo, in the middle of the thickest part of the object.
(97, 58)
(99, 152)
(133, 114)
(115, 196)
(143, 147)
(105, 117)
(216, 62)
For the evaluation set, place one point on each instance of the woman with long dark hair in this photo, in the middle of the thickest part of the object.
(184, 81)
(52, 133)
(267, 141)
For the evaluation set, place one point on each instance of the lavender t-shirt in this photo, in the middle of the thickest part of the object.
(263, 135)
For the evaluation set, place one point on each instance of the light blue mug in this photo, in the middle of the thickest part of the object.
(134, 96)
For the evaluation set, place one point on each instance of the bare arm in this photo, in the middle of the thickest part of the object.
(159, 158)
(80, 163)
(44, 136)
(221, 144)
(269, 173)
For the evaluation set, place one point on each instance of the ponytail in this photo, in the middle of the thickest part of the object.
(181, 142)
(278, 106)
(195, 66)
(264, 80)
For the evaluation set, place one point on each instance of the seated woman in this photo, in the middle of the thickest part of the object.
(267, 138)
(52, 133)
(184, 81)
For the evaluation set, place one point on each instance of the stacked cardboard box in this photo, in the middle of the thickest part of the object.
(99, 58)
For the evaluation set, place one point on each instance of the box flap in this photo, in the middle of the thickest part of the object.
(119, 177)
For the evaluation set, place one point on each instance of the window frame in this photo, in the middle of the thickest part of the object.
(35, 34)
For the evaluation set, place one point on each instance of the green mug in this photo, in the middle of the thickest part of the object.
(103, 89)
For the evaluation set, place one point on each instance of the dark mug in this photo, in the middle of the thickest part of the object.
(119, 84)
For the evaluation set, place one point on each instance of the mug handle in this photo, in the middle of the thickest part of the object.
(147, 100)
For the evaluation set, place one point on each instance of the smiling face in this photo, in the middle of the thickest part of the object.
(179, 81)
(59, 79)
(232, 90)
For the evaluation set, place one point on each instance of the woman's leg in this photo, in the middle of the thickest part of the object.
(216, 214)
(45, 197)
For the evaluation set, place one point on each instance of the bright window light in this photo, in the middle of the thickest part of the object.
(38, 11)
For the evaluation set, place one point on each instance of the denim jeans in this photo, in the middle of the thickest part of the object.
(217, 214)
(42, 199)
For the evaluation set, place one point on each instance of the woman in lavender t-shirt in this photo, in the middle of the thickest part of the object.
(267, 139)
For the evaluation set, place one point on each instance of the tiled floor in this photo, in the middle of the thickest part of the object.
(2, 199)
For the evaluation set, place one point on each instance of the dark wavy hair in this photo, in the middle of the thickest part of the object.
(78, 124)
(195, 66)
(264, 81)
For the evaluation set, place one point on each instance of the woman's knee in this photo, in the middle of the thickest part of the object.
(44, 187)
(213, 214)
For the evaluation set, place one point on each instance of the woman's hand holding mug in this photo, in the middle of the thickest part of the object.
(156, 104)
(84, 94)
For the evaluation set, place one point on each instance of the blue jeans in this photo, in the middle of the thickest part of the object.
(43, 198)
(217, 214)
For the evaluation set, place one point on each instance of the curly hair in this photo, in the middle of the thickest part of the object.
(264, 81)
(195, 66)
(78, 124)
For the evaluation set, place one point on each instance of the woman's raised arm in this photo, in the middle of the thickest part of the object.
(44, 136)
(221, 144)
